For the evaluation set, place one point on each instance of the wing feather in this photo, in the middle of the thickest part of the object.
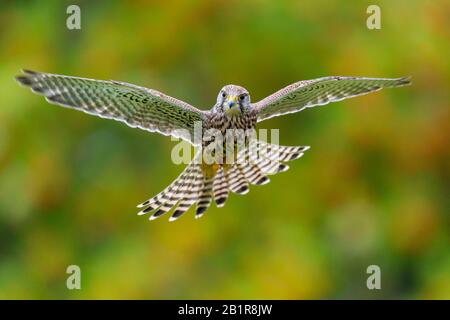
(136, 106)
(318, 92)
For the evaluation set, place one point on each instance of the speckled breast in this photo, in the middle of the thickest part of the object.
(243, 123)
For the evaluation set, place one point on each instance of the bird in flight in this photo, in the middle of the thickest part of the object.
(200, 183)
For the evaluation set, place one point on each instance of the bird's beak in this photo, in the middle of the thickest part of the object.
(232, 106)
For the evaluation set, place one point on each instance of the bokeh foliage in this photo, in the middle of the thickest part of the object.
(373, 189)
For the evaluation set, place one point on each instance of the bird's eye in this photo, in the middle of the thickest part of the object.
(242, 97)
(224, 94)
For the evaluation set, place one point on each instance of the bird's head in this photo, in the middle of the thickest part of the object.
(233, 100)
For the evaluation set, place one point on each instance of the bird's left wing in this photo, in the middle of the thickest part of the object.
(317, 92)
(136, 106)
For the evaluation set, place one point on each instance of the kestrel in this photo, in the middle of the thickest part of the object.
(154, 111)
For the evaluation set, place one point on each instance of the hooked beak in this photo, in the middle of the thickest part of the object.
(232, 106)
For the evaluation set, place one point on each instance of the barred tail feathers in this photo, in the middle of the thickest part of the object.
(221, 187)
(199, 185)
(191, 187)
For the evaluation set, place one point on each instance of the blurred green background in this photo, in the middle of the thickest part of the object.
(373, 189)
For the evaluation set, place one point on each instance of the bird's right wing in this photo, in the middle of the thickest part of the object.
(136, 106)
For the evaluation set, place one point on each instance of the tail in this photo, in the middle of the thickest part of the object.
(199, 186)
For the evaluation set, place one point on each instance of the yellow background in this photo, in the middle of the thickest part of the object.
(373, 189)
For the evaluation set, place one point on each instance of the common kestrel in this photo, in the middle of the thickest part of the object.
(154, 111)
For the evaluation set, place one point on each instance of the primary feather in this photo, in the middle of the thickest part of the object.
(318, 92)
(136, 106)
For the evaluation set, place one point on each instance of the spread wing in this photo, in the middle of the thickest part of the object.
(136, 106)
(318, 92)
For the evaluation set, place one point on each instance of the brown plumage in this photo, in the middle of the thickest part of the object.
(203, 182)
